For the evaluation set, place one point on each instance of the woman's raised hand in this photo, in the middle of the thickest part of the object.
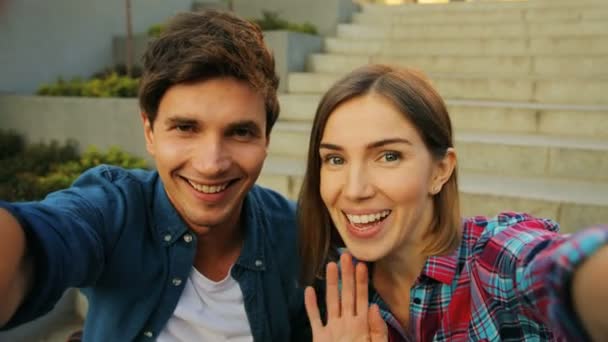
(349, 316)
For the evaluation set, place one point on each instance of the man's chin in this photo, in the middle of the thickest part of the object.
(204, 225)
(200, 230)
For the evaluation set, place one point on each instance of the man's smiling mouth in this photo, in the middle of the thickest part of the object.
(210, 189)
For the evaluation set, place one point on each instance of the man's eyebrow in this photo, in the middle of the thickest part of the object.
(178, 119)
(245, 123)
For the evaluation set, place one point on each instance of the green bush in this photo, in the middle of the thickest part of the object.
(110, 85)
(11, 144)
(271, 21)
(120, 69)
(62, 87)
(156, 30)
(37, 170)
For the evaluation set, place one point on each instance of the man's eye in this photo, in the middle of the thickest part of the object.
(184, 128)
(242, 132)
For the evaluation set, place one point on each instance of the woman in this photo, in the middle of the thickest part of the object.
(381, 181)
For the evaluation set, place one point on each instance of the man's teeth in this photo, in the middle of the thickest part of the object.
(369, 218)
(208, 189)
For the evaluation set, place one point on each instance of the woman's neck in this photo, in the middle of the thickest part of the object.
(393, 277)
(400, 270)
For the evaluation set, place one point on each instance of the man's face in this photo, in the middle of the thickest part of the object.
(209, 143)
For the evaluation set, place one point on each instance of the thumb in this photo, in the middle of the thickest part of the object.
(378, 330)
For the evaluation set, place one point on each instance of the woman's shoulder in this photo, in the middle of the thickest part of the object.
(507, 231)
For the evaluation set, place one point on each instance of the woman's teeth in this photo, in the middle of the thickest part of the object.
(368, 218)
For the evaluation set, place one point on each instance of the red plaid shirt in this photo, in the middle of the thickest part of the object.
(508, 281)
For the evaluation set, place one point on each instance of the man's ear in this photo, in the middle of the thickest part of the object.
(443, 170)
(148, 133)
(267, 142)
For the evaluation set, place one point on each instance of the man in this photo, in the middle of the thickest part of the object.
(192, 251)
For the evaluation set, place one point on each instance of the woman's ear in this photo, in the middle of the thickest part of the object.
(443, 170)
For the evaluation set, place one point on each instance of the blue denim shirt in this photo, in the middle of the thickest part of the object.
(115, 234)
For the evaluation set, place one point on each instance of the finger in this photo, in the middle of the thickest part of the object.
(378, 331)
(348, 285)
(312, 309)
(361, 288)
(332, 295)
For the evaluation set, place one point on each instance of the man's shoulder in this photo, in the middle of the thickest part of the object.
(273, 204)
(106, 186)
(115, 175)
(277, 214)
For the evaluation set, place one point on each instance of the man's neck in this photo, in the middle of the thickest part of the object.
(218, 250)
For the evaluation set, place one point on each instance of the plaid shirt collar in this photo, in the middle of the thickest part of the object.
(441, 268)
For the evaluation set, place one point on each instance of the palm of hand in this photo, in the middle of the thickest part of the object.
(349, 317)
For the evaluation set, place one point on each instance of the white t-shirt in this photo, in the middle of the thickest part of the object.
(208, 311)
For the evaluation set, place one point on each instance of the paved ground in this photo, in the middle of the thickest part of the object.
(64, 330)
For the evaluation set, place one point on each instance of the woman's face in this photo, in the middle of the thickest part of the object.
(377, 177)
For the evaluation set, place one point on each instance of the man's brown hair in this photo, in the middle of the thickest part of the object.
(200, 45)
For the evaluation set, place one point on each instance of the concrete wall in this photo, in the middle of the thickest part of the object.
(324, 14)
(291, 51)
(90, 121)
(42, 40)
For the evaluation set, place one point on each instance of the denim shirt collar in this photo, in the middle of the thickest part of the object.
(255, 222)
(170, 227)
(168, 223)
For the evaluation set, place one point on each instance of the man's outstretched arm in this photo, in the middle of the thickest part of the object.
(16, 268)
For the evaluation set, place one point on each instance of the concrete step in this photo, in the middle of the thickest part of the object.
(507, 65)
(298, 107)
(555, 90)
(516, 46)
(574, 204)
(529, 118)
(55, 326)
(574, 158)
(475, 6)
(61, 332)
(509, 30)
(487, 116)
(551, 15)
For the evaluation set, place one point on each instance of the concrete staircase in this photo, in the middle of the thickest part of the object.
(525, 83)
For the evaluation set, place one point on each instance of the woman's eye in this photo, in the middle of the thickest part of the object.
(391, 156)
(334, 160)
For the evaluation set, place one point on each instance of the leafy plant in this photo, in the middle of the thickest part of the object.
(156, 30)
(31, 172)
(110, 85)
(271, 21)
(11, 144)
(120, 69)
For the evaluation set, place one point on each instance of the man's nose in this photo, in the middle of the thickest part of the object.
(211, 157)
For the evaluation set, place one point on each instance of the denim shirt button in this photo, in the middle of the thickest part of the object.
(259, 263)
(188, 238)
(148, 334)
(167, 237)
(176, 281)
